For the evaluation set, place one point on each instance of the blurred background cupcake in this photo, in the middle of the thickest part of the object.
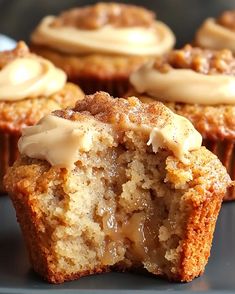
(200, 85)
(30, 87)
(99, 46)
(217, 33)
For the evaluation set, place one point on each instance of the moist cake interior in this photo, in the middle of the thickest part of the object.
(115, 209)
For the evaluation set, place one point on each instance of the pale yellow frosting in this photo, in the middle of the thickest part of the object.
(60, 141)
(215, 36)
(128, 41)
(30, 76)
(184, 85)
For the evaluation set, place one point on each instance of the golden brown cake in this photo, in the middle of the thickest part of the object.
(30, 87)
(200, 85)
(99, 46)
(217, 33)
(116, 184)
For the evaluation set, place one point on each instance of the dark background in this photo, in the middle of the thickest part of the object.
(19, 17)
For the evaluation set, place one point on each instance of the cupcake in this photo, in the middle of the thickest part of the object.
(200, 85)
(217, 33)
(30, 87)
(99, 46)
(116, 184)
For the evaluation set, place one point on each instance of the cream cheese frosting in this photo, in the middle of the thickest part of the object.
(179, 136)
(184, 85)
(108, 39)
(212, 35)
(59, 141)
(30, 76)
(56, 140)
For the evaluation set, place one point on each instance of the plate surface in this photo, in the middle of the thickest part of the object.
(16, 276)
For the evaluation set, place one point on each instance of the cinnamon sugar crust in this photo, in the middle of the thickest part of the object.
(203, 61)
(122, 111)
(101, 14)
(213, 122)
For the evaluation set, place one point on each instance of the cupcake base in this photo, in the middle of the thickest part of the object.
(225, 150)
(8, 154)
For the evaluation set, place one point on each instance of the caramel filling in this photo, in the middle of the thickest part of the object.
(133, 231)
(139, 236)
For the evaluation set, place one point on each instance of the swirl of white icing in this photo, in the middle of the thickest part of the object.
(215, 36)
(184, 85)
(128, 41)
(30, 76)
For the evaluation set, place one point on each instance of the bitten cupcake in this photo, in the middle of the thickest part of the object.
(217, 33)
(127, 185)
(30, 87)
(200, 85)
(99, 46)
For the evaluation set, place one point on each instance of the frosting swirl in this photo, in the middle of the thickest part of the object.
(215, 36)
(29, 76)
(184, 85)
(151, 41)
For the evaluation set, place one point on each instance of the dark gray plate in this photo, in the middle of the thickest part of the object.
(16, 275)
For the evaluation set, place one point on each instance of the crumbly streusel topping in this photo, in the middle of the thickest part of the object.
(118, 111)
(101, 14)
(227, 19)
(203, 61)
(21, 50)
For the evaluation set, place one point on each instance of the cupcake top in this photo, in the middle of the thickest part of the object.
(108, 28)
(25, 75)
(218, 33)
(189, 75)
(30, 87)
(59, 137)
